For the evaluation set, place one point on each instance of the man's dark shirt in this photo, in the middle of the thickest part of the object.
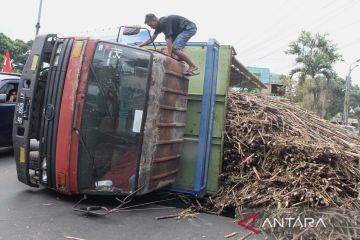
(173, 25)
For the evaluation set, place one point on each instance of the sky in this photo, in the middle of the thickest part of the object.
(259, 30)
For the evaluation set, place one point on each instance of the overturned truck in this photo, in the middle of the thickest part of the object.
(100, 117)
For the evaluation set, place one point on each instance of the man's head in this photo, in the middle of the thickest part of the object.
(13, 92)
(151, 20)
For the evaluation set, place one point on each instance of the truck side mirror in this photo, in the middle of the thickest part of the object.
(3, 97)
(131, 31)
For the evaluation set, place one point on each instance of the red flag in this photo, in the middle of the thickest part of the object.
(7, 63)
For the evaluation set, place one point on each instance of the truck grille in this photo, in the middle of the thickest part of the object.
(52, 101)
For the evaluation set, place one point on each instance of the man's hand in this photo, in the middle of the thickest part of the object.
(150, 40)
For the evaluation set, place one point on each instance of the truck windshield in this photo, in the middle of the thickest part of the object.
(112, 117)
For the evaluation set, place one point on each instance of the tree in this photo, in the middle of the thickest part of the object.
(5, 43)
(315, 57)
(19, 51)
(335, 94)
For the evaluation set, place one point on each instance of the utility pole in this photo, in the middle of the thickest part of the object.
(347, 93)
(347, 99)
(37, 26)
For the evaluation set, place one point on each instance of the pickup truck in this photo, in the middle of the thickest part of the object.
(8, 91)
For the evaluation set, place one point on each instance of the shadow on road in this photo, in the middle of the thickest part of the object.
(47, 214)
(159, 198)
(152, 200)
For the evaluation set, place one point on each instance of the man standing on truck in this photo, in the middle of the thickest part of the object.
(177, 30)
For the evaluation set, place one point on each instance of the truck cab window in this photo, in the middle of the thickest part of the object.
(116, 90)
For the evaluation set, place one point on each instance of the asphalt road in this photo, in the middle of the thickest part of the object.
(29, 213)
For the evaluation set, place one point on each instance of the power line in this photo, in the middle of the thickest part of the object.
(357, 41)
(266, 38)
(330, 14)
(337, 13)
(266, 42)
(279, 20)
(346, 26)
(277, 49)
(270, 53)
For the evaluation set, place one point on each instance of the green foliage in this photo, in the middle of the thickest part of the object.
(354, 101)
(19, 51)
(315, 57)
(357, 115)
(336, 95)
(306, 99)
(357, 112)
(332, 97)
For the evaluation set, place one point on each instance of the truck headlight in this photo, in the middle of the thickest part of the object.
(43, 164)
(43, 168)
(44, 177)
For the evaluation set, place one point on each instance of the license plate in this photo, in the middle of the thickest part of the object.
(20, 109)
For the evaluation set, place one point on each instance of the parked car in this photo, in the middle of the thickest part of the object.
(8, 92)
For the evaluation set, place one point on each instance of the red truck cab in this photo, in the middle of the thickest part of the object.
(96, 117)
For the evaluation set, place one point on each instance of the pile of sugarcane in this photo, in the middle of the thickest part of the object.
(280, 156)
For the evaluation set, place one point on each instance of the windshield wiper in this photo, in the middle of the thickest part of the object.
(91, 157)
(102, 91)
